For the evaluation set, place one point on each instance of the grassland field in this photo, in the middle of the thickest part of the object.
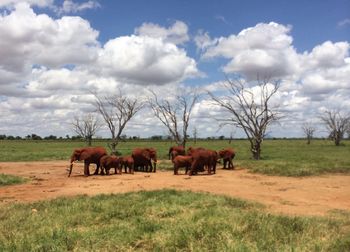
(279, 157)
(169, 220)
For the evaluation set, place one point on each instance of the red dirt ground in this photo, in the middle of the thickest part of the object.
(292, 196)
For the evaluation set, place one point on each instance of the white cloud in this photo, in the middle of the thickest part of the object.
(29, 39)
(264, 50)
(344, 22)
(327, 55)
(39, 3)
(146, 60)
(69, 6)
(203, 40)
(176, 34)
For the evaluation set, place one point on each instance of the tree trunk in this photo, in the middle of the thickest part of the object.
(337, 141)
(256, 149)
(337, 138)
(89, 140)
(113, 146)
(183, 143)
(308, 140)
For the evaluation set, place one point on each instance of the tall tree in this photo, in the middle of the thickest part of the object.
(308, 130)
(249, 109)
(337, 124)
(117, 110)
(86, 126)
(175, 113)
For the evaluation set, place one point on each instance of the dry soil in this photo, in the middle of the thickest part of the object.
(293, 196)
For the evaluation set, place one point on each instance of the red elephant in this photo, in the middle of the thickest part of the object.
(127, 162)
(107, 162)
(227, 155)
(176, 150)
(203, 158)
(90, 155)
(182, 161)
(143, 158)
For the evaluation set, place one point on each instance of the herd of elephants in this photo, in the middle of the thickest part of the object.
(194, 160)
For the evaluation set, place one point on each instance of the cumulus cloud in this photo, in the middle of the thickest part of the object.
(264, 50)
(176, 34)
(29, 39)
(146, 60)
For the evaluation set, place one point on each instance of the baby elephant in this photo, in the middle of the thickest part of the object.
(127, 162)
(107, 162)
(182, 161)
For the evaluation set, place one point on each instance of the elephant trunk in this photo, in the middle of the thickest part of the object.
(72, 159)
(70, 169)
(155, 165)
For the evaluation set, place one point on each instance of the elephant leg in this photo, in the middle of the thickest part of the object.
(86, 169)
(97, 168)
(193, 168)
(209, 169)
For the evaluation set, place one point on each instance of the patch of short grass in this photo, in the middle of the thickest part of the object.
(165, 220)
(6, 179)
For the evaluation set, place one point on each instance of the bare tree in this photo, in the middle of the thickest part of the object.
(231, 136)
(308, 130)
(116, 110)
(337, 124)
(86, 126)
(249, 109)
(175, 114)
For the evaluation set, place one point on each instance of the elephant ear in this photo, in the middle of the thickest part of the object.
(84, 155)
(146, 154)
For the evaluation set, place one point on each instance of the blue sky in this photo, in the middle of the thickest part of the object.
(313, 21)
(53, 52)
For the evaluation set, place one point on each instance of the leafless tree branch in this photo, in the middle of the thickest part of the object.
(249, 111)
(117, 110)
(337, 124)
(86, 126)
(175, 115)
(308, 130)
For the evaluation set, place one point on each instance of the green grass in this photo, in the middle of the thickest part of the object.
(279, 157)
(6, 179)
(165, 220)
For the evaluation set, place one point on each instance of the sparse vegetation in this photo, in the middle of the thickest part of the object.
(165, 220)
(6, 179)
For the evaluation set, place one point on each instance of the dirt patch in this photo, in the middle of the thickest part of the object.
(293, 196)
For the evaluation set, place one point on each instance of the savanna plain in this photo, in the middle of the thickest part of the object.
(297, 198)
